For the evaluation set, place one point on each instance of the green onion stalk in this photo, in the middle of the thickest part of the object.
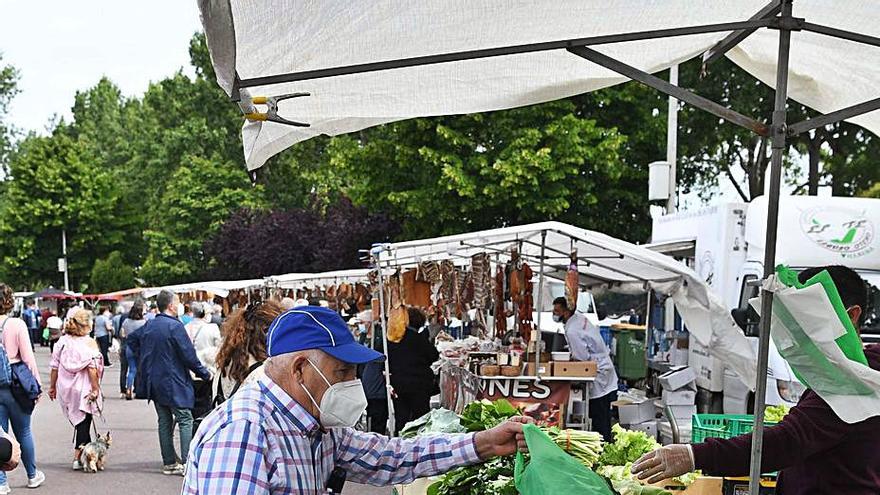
(585, 446)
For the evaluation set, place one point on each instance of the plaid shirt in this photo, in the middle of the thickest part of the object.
(262, 441)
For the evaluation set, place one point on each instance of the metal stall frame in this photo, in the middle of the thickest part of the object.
(776, 15)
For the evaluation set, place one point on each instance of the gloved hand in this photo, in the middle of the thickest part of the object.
(664, 463)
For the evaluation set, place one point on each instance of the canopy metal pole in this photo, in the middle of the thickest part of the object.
(540, 301)
(383, 326)
(778, 134)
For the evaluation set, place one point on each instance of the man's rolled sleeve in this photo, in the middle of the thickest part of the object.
(233, 461)
(379, 460)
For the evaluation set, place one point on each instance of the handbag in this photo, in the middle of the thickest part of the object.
(25, 387)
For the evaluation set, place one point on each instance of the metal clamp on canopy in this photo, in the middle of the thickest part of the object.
(271, 114)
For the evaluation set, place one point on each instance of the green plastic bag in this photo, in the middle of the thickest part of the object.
(551, 471)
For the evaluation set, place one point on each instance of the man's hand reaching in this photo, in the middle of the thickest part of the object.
(504, 439)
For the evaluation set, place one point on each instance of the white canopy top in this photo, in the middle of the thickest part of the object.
(298, 280)
(218, 287)
(257, 38)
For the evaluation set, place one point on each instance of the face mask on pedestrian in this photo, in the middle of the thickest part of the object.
(557, 318)
(343, 403)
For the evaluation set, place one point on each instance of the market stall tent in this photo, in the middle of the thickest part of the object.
(300, 280)
(220, 288)
(604, 263)
(338, 66)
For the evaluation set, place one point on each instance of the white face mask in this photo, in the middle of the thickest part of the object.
(557, 318)
(343, 403)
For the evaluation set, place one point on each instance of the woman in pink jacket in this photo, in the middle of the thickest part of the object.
(77, 368)
(17, 343)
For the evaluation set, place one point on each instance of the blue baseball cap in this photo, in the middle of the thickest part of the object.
(314, 327)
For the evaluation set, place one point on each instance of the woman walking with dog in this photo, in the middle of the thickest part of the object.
(77, 367)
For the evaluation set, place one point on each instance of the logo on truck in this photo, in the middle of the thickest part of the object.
(847, 232)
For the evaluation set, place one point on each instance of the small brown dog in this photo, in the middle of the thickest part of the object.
(94, 455)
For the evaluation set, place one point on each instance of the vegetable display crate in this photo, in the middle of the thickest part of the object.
(705, 426)
(740, 486)
(631, 362)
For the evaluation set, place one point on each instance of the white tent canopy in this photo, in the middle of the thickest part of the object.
(604, 262)
(254, 39)
(218, 287)
(300, 280)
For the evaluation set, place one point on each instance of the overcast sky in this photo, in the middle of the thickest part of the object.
(62, 46)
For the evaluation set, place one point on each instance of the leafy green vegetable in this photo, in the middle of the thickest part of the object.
(628, 446)
(436, 421)
(483, 415)
(585, 446)
(775, 414)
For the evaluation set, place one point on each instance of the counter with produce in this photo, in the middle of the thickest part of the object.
(560, 461)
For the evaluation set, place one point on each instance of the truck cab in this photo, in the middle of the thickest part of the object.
(724, 244)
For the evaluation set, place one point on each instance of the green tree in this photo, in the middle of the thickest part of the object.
(8, 89)
(111, 274)
(201, 195)
(52, 187)
(453, 174)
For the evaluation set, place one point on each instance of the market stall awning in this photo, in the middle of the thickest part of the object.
(604, 262)
(220, 288)
(357, 60)
(300, 280)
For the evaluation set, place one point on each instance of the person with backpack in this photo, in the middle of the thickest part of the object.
(16, 348)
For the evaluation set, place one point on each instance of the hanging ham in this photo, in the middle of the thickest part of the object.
(571, 282)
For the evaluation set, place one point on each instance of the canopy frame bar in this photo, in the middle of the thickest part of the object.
(590, 262)
(672, 90)
(840, 33)
(837, 116)
(733, 39)
(500, 51)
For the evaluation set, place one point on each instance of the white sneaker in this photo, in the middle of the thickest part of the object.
(4, 489)
(37, 480)
(77, 466)
(171, 470)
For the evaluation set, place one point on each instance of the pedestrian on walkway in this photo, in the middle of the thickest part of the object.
(17, 344)
(103, 334)
(55, 325)
(77, 368)
(206, 339)
(165, 357)
(291, 428)
(129, 333)
(32, 317)
(244, 347)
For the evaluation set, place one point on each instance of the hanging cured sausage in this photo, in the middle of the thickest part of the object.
(397, 314)
(571, 282)
(500, 313)
(526, 305)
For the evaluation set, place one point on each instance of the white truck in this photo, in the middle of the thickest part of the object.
(724, 244)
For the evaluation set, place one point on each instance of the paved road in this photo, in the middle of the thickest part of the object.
(134, 461)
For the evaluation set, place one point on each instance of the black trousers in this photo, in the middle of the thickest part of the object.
(377, 412)
(123, 367)
(410, 405)
(104, 345)
(83, 432)
(600, 415)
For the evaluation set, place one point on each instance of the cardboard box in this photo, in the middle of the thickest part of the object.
(664, 430)
(680, 397)
(577, 369)
(704, 485)
(648, 427)
(545, 369)
(632, 413)
(677, 378)
(683, 414)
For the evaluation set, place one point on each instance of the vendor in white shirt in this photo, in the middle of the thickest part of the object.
(586, 344)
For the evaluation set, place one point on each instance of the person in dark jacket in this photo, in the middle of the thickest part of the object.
(411, 376)
(373, 379)
(165, 356)
(812, 448)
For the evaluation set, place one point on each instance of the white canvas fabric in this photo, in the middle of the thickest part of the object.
(254, 38)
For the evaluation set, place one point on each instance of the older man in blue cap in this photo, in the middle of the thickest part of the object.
(291, 431)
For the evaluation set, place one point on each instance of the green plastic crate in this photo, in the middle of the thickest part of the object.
(705, 426)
